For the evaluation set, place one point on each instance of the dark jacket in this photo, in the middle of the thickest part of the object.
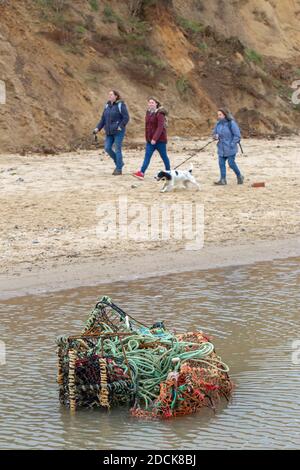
(114, 116)
(229, 136)
(155, 128)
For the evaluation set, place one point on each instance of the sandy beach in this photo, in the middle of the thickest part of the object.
(50, 214)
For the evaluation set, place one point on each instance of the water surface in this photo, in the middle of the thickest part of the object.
(252, 312)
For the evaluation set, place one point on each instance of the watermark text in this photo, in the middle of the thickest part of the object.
(296, 95)
(2, 353)
(124, 220)
(296, 352)
(2, 92)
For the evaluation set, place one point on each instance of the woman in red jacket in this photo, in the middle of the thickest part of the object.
(156, 136)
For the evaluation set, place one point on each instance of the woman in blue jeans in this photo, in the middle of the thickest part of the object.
(156, 136)
(228, 135)
(114, 119)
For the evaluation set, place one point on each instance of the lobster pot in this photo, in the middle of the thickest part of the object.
(117, 360)
(87, 379)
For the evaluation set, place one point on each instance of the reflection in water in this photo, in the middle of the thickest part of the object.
(253, 315)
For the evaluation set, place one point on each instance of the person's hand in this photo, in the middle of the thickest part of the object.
(96, 130)
(153, 142)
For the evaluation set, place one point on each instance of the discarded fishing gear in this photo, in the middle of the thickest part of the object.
(117, 360)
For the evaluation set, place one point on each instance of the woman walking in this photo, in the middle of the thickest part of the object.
(114, 119)
(156, 136)
(228, 135)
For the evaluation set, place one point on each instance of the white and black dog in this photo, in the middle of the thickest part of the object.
(177, 178)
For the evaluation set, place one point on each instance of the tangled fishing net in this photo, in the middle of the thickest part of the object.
(117, 360)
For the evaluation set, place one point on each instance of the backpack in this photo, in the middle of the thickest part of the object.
(166, 114)
(119, 106)
(166, 122)
(230, 127)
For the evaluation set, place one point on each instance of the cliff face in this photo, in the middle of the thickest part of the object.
(58, 59)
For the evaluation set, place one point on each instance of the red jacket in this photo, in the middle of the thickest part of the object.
(155, 128)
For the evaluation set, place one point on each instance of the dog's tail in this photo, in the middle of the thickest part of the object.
(191, 168)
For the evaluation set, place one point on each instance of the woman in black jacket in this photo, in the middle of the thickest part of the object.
(114, 119)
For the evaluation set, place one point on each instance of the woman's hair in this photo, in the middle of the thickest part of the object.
(154, 99)
(117, 94)
(226, 113)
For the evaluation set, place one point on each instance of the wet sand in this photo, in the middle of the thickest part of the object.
(49, 217)
(147, 265)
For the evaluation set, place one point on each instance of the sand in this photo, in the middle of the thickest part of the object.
(52, 205)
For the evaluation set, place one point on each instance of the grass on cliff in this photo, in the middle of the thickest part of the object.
(253, 56)
(190, 26)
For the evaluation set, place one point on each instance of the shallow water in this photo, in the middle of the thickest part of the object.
(252, 312)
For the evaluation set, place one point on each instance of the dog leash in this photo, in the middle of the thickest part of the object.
(96, 141)
(200, 150)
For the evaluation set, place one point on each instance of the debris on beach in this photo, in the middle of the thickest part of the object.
(117, 360)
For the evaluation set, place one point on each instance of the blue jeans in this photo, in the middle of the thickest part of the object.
(161, 147)
(232, 164)
(116, 154)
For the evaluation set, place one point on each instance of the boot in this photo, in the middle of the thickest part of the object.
(222, 182)
(117, 172)
(240, 179)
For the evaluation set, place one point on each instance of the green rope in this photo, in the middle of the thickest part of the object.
(150, 367)
(150, 355)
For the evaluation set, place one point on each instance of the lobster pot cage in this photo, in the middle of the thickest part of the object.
(117, 360)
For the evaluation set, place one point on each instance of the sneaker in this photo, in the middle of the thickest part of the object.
(117, 172)
(138, 175)
(222, 182)
(240, 179)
